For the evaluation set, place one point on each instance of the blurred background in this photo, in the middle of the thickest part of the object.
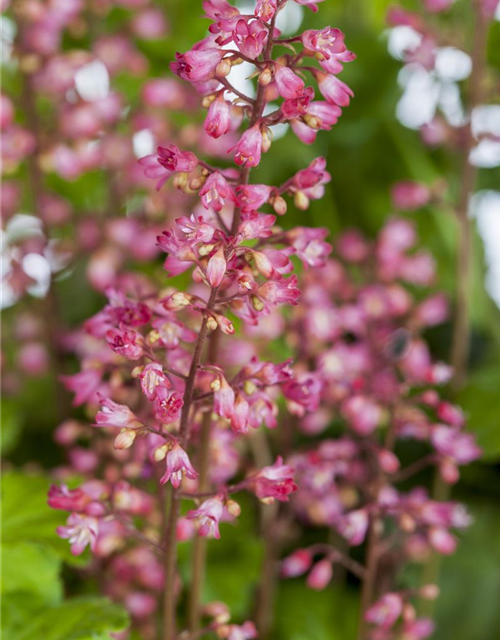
(375, 144)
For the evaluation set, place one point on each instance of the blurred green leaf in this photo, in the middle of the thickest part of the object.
(11, 426)
(27, 517)
(75, 619)
(31, 569)
(304, 614)
(480, 401)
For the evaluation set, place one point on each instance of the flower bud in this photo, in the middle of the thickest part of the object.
(257, 303)
(233, 508)
(312, 121)
(207, 100)
(211, 323)
(181, 299)
(223, 69)
(265, 77)
(266, 139)
(125, 439)
(279, 205)
(160, 452)
(429, 591)
(301, 201)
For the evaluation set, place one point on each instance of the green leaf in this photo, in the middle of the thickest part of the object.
(32, 569)
(480, 402)
(11, 426)
(26, 515)
(304, 614)
(75, 619)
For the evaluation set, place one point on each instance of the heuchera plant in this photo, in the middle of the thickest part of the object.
(359, 328)
(152, 359)
(178, 400)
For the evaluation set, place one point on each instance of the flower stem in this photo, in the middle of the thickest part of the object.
(461, 327)
(200, 543)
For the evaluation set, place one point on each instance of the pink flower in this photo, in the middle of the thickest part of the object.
(249, 148)
(178, 465)
(167, 405)
(246, 631)
(299, 106)
(274, 482)
(442, 540)
(173, 159)
(304, 390)
(363, 414)
(153, 379)
(296, 564)
(308, 180)
(239, 417)
(408, 196)
(250, 37)
(452, 443)
(386, 611)
(309, 245)
(252, 196)
(435, 6)
(81, 531)
(113, 414)
(282, 291)
(289, 85)
(334, 90)
(265, 9)
(326, 42)
(312, 4)
(197, 65)
(84, 384)
(418, 629)
(67, 499)
(320, 575)
(354, 526)
(208, 516)
(218, 120)
(216, 268)
(223, 398)
(124, 343)
(153, 169)
(215, 192)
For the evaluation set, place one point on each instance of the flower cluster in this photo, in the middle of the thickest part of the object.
(161, 369)
(359, 333)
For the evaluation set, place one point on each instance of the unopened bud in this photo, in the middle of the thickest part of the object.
(279, 205)
(267, 501)
(233, 508)
(223, 69)
(160, 452)
(205, 249)
(218, 611)
(181, 299)
(136, 371)
(249, 387)
(266, 140)
(196, 183)
(407, 523)
(180, 181)
(207, 100)
(124, 439)
(429, 591)
(153, 336)
(212, 323)
(215, 385)
(257, 303)
(301, 201)
(312, 121)
(265, 77)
